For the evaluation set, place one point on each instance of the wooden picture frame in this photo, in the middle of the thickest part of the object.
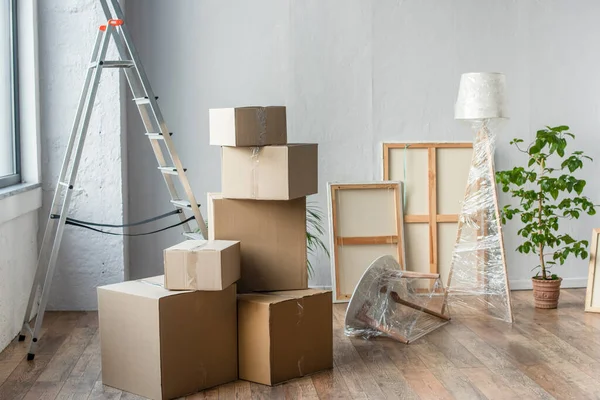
(592, 295)
(440, 170)
(365, 222)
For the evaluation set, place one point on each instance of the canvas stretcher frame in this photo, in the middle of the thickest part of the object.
(593, 284)
(362, 244)
(440, 217)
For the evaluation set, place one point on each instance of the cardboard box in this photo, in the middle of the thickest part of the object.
(269, 173)
(163, 344)
(202, 265)
(284, 335)
(247, 126)
(272, 236)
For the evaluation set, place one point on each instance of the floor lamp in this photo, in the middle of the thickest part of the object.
(478, 280)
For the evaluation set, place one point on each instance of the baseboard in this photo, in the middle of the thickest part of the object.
(525, 284)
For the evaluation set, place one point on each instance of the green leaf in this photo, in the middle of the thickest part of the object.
(531, 162)
(579, 185)
(554, 193)
(560, 128)
(535, 149)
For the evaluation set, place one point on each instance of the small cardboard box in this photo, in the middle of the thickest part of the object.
(202, 265)
(247, 126)
(272, 236)
(284, 335)
(269, 173)
(163, 344)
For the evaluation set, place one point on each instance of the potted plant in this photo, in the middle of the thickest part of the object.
(314, 232)
(548, 194)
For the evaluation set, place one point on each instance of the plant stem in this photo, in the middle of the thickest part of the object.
(540, 207)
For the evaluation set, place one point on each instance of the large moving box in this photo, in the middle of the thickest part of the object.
(272, 236)
(269, 173)
(284, 335)
(163, 344)
(202, 265)
(247, 126)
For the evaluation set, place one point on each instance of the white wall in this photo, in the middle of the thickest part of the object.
(67, 30)
(356, 73)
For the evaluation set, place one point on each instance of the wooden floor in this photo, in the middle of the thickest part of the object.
(544, 355)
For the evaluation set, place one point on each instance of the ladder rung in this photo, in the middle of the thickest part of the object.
(141, 100)
(65, 184)
(28, 328)
(157, 136)
(170, 170)
(113, 64)
(193, 235)
(182, 204)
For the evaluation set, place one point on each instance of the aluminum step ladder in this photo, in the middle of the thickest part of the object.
(157, 132)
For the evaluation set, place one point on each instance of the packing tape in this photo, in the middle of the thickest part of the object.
(190, 260)
(255, 160)
(301, 365)
(261, 120)
(152, 283)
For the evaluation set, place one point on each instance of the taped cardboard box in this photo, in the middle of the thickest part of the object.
(164, 344)
(272, 236)
(269, 173)
(202, 265)
(284, 335)
(248, 126)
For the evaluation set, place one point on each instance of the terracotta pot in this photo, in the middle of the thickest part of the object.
(546, 292)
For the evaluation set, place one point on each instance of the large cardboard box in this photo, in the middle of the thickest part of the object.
(247, 126)
(202, 265)
(269, 173)
(284, 335)
(163, 344)
(272, 236)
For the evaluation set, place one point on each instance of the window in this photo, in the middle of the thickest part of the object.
(9, 121)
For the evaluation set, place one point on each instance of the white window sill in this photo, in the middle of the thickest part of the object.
(19, 199)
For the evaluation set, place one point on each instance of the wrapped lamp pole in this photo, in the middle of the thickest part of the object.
(478, 280)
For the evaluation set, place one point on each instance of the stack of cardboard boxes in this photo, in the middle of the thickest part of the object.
(196, 327)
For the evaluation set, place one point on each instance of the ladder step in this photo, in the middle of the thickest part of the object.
(170, 170)
(157, 136)
(114, 64)
(182, 204)
(193, 235)
(141, 100)
(65, 184)
(28, 328)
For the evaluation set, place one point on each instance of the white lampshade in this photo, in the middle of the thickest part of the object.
(481, 95)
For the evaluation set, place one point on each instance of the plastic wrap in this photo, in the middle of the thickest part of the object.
(402, 305)
(478, 282)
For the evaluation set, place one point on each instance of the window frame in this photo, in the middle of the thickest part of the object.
(15, 178)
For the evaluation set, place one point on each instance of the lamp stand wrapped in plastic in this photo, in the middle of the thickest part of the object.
(402, 305)
(478, 281)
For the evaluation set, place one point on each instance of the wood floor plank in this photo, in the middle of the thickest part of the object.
(242, 390)
(262, 392)
(521, 384)
(454, 351)
(347, 360)
(552, 382)
(44, 391)
(67, 355)
(23, 377)
(388, 378)
(426, 385)
(488, 355)
(301, 388)
(457, 384)
(546, 354)
(102, 392)
(489, 383)
(330, 384)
